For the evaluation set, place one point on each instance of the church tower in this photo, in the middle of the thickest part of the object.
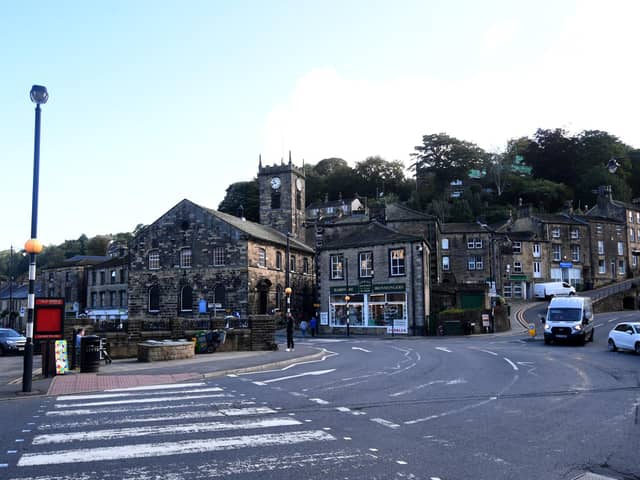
(282, 190)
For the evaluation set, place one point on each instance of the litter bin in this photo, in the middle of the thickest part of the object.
(89, 354)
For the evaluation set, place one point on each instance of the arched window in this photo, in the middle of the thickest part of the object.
(154, 299)
(279, 296)
(220, 295)
(186, 299)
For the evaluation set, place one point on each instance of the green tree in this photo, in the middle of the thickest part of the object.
(245, 195)
(98, 245)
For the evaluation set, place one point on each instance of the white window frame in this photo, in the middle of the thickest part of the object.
(365, 264)
(397, 263)
(599, 228)
(556, 252)
(632, 234)
(602, 266)
(575, 234)
(262, 257)
(517, 267)
(446, 266)
(537, 272)
(536, 250)
(621, 267)
(575, 253)
(600, 247)
(218, 256)
(517, 247)
(475, 262)
(185, 258)
(620, 248)
(555, 232)
(336, 265)
(445, 243)
(154, 260)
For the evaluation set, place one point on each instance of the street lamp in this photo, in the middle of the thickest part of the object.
(287, 292)
(39, 96)
(612, 165)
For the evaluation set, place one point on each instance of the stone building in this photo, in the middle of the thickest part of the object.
(375, 280)
(107, 285)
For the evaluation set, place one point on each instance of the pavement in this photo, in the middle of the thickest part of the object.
(129, 372)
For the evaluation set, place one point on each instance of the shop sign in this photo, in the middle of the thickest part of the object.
(519, 278)
(367, 287)
(399, 326)
(389, 288)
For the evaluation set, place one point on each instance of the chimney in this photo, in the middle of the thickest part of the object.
(241, 212)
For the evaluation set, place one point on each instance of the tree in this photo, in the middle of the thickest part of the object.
(328, 166)
(245, 195)
(446, 158)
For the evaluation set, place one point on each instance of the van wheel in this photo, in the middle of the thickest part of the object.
(637, 348)
(547, 341)
(612, 346)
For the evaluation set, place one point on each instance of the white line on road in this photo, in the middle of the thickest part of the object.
(143, 400)
(489, 352)
(100, 411)
(456, 381)
(319, 401)
(443, 349)
(67, 398)
(157, 387)
(385, 423)
(120, 433)
(513, 365)
(450, 412)
(147, 450)
(305, 374)
(343, 409)
(361, 349)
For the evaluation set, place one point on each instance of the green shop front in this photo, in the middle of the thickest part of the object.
(381, 307)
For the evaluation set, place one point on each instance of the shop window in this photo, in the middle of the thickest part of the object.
(397, 262)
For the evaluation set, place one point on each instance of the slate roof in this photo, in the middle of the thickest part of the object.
(557, 218)
(372, 234)
(396, 212)
(462, 228)
(18, 292)
(79, 261)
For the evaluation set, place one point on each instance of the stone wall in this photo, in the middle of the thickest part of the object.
(162, 351)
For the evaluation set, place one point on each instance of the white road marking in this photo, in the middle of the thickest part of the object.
(305, 374)
(385, 423)
(489, 352)
(450, 412)
(457, 381)
(226, 412)
(147, 450)
(361, 349)
(142, 400)
(98, 411)
(443, 349)
(68, 398)
(328, 353)
(401, 462)
(513, 365)
(157, 387)
(343, 409)
(120, 433)
(319, 401)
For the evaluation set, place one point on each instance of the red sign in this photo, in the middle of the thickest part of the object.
(48, 318)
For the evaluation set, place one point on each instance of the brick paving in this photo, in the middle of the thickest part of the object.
(91, 382)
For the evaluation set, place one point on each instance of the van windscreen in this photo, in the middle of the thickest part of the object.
(564, 314)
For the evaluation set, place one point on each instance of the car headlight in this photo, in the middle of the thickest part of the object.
(11, 342)
(547, 326)
(578, 327)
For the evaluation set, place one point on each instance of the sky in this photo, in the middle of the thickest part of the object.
(151, 102)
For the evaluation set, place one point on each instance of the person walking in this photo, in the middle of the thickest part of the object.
(289, 332)
(313, 325)
(303, 327)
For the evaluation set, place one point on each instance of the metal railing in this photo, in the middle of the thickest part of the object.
(111, 325)
(612, 289)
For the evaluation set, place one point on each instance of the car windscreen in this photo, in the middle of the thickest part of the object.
(564, 314)
(8, 332)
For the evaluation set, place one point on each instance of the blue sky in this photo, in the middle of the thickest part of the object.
(155, 101)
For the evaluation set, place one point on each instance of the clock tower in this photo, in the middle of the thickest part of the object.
(282, 190)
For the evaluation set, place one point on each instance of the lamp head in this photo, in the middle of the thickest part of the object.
(613, 165)
(39, 94)
(287, 291)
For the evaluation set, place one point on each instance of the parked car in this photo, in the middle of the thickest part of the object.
(551, 289)
(11, 341)
(625, 336)
(569, 319)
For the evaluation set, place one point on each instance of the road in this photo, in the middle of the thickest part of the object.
(481, 407)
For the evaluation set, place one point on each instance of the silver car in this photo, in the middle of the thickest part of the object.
(625, 336)
(11, 341)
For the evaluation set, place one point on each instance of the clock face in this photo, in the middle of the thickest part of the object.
(275, 183)
(299, 184)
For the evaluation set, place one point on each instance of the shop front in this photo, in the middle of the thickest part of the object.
(381, 307)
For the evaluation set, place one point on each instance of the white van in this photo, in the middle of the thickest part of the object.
(569, 319)
(552, 289)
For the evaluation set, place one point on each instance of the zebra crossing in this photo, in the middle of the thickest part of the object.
(193, 431)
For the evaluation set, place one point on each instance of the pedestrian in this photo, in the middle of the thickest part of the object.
(289, 332)
(303, 327)
(313, 324)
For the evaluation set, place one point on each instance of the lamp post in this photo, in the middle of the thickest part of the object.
(347, 297)
(39, 96)
(11, 323)
(287, 292)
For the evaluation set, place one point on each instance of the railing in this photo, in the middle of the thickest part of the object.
(234, 322)
(155, 325)
(111, 325)
(609, 290)
(197, 323)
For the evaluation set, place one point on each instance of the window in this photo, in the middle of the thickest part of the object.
(218, 256)
(102, 299)
(337, 267)
(536, 250)
(292, 266)
(632, 235)
(445, 263)
(621, 269)
(600, 247)
(537, 273)
(396, 262)
(102, 277)
(557, 253)
(620, 248)
(475, 262)
(262, 257)
(94, 299)
(630, 217)
(220, 295)
(154, 299)
(601, 267)
(113, 277)
(445, 243)
(506, 289)
(112, 299)
(123, 275)
(555, 232)
(279, 260)
(634, 260)
(517, 247)
(93, 277)
(599, 228)
(275, 199)
(637, 217)
(186, 299)
(154, 260)
(123, 298)
(279, 296)
(517, 267)
(185, 258)
(298, 200)
(365, 262)
(305, 265)
(474, 243)
(619, 230)
(575, 234)
(575, 253)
